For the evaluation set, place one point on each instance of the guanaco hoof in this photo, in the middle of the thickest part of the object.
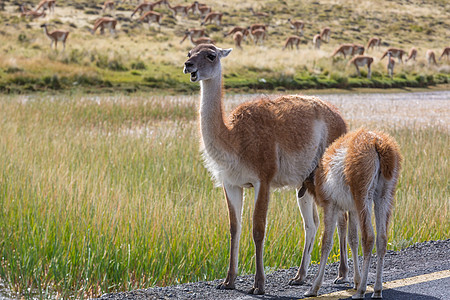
(225, 286)
(341, 280)
(294, 281)
(256, 291)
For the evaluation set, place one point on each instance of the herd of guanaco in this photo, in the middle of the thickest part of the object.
(258, 32)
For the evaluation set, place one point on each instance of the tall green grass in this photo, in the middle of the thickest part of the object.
(104, 194)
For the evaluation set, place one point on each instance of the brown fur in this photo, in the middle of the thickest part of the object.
(396, 52)
(445, 52)
(365, 150)
(373, 42)
(260, 144)
(412, 54)
(291, 42)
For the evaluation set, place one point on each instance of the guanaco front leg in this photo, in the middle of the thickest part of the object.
(234, 196)
(262, 191)
(308, 210)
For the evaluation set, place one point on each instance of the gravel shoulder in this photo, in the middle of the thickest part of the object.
(418, 259)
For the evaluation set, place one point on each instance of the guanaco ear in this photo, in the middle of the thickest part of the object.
(224, 52)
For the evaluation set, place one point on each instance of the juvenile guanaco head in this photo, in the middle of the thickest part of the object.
(204, 62)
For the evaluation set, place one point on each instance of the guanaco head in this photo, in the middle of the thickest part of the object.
(204, 62)
(43, 25)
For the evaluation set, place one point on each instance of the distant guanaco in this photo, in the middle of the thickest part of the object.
(56, 36)
(292, 41)
(412, 54)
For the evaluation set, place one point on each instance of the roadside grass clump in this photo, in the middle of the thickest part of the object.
(112, 195)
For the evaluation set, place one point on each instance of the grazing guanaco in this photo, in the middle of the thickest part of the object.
(412, 54)
(32, 14)
(390, 64)
(344, 49)
(182, 9)
(105, 23)
(108, 5)
(374, 42)
(431, 57)
(47, 4)
(358, 171)
(361, 61)
(195, 33)
(395, 52)
(152, 17)
(263, 144)
(325, 34)
(145, 6)
(238, 37)
(445, 52)
(56, 36)
(358, 49)
(317, 41)
(292, 41)
(243, 30)
(257, 26)
(200, 40)
(258, 14)
(200, 9)
(258, 36)
(213, 17)
(297, 25)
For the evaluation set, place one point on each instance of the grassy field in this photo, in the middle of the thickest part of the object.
(140, 57)
(108, 193)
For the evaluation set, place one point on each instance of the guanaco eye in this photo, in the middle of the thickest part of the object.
(189, 54)
(211, 57)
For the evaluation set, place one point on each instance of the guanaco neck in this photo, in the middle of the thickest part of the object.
(46, 32)
(212, 124)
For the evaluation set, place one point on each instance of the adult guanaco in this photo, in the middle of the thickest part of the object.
(344, 49)
(361, 61)
(325, 34)
(259, 13)
(182, 9)
(47, 5)
(243, 30)
(395, 52)
(32, 14)
(200, 40)
(445, 52)
(263, 144)
(56, 36)
(146, 6)
(297, 25)
(152, 17)
(194, 32)
(431, 57)
(390, 64)
(257, 26)
(213, 17)
(358, 171)
(105, 23)
(292, 41)
(374, 42)
(200, 9)
(412, 54)
(258, 36)
(108, 5)
(358, 49)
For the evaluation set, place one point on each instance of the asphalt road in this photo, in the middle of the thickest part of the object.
(421, 271)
